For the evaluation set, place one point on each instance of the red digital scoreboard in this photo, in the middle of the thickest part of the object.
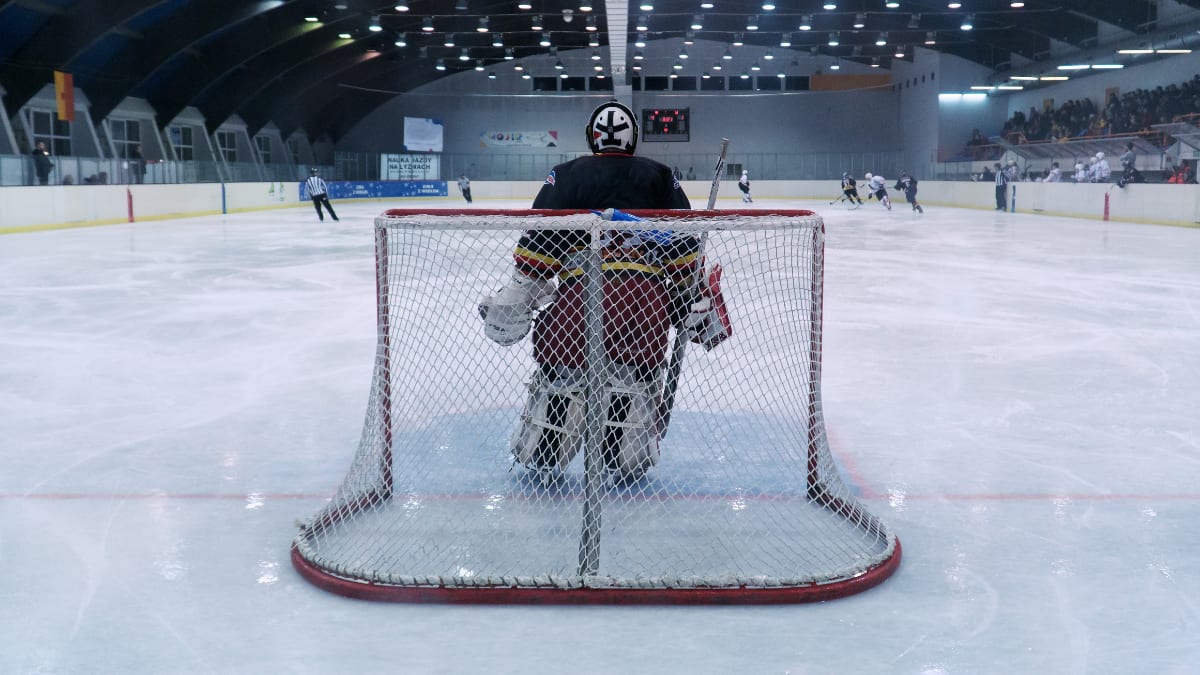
(666, 124)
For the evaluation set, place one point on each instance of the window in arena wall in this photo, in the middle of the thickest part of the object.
(55, 133)
(264, 148)
(294, 148)
(126, 135)
(182, 139)
(227, 145)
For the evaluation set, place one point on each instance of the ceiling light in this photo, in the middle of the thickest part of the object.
(954, 5)
(881, 40)
(585, 6)
(1172, 51)
(835, 66)
(558, 65)
(891, 4)
(1010, 87)
(785, 40)
(830, 5)
(491, 74)
(683, 53)
(781, 75)
(899, 51)
(526, 76)
(449, 40)
(678, 66)
(595, 54)
(482, 27)
(427, 24)
(518, 67)
(563, 76)
(706, 75)
(768, 6)
(463, 55)
(341, 4)
(1141, 50)
(646, 6)
(874, 61)
(460, 5)
(591, 24)
(597, 67)
(755, 67)
(642, 23)
(524, 5)
(401, 40)
(441, 65)
(479, 66)
(752, 24)
(637, 67)
(312, 19)
(345, 36)
(508, 54)
(769, 55)
(402, 7)
(1074, 66)
(717, 66)
(674, 75)
(697, 22)
(931, 38)
(497, 40)
(833, 40)
(738, 41)
(689, 38)
(860, 20)
(1053, 78)
(1016, 4)
(806, 22)
(968, 23)
(706, 4)
(727, 55)
(982, 87)
(1107, 66)
(638, 55)
(537, 22)
(744, 75)
(544, 40)
(1023, 78)
(593, 40)
(640, 41)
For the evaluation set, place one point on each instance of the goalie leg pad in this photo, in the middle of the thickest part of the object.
(708, 322)
(630, 436)
(551, 426)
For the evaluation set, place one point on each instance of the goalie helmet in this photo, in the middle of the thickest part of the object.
(868, 176)
(1099, 155)
(612, 128)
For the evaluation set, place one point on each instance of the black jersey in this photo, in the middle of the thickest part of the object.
(848, 182)
(906, 184)
(611, 181)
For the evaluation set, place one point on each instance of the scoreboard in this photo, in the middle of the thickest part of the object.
(666, 124)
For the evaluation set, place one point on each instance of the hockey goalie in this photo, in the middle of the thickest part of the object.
(653, 280)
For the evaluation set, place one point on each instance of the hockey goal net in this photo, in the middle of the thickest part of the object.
(738, 500)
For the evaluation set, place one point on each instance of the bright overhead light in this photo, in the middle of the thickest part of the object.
(891, 4)
(536, 23)
(752, 23)
(497, 40)
(482, 27)
(806, 22)
(427, 24)
(678, 66)
(1016, 4)
(706, 4)
(785, 40)
(401, 40)
(835, 66)
(544, 40)
(1172, 51)
(449, 41)
(558, 65)
(374, 27)
(312, 19)
(640, 42)
(1053, 78)
(833, 40)
(563, 76)
(738, 41)
(706, 75)
(508, 54)
(874, 61)
(463, 55)
(1024, 78)
(591, 24)
(860, 20)
(1135, 51)
(830, 6)
(899, 51)
(638, 55)
(1010, 87)
(491, 75)
(345, 36)
(727, 55)
(402, 7)
(646, 6)
(717, 66)
(689, 38)
(683, 53)
(744, 75)
(524, 5)
(1107, 66)
(595, 55)
(479, 66)
(755, 67)
(881, 40)
(1074, 66)
(697, 22)
(768, 6)
(593, 40)
(643, 24)
(931, 38)
(954, 5)
(526, 76)
(769, 55)
(585, 6)
(968, 23)
(982, 87)
(597, 67)
(441, 65)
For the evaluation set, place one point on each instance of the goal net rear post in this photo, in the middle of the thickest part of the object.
(537, 472)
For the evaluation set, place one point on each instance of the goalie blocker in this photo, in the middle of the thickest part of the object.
(648, 287)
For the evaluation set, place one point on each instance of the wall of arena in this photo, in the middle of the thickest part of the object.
(54, 207)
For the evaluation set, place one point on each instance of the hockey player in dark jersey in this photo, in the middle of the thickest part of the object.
(850, 189)
(908, 185)
(649, 285)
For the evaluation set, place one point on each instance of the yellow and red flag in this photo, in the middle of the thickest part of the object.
(64, 92)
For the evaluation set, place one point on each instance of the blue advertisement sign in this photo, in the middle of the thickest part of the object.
(381, 189)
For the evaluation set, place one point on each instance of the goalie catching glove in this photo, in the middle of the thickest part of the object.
(507, 314)
(707, 323)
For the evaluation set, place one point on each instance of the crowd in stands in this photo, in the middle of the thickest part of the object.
(1131, 112)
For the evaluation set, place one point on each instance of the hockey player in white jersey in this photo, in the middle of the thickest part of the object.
(1081, 173)
(1101, 171)
(877, 187)
(744, 186)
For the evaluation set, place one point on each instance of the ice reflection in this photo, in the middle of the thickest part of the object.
(268, 572)
(494, 502)
(255, 500)
(896, 499)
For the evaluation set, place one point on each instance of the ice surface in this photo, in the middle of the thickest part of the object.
(1016, 395)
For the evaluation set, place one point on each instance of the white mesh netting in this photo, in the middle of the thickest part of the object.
(541, 471)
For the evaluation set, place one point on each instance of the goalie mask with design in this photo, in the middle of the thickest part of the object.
(612, 128)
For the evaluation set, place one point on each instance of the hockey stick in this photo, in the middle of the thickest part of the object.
(680, 347)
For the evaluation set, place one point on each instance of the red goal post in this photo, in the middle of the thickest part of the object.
(743, 502)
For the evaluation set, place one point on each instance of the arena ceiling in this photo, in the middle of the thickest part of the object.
(320, 65)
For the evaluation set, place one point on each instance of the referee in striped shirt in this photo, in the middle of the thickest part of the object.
(319, 193)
